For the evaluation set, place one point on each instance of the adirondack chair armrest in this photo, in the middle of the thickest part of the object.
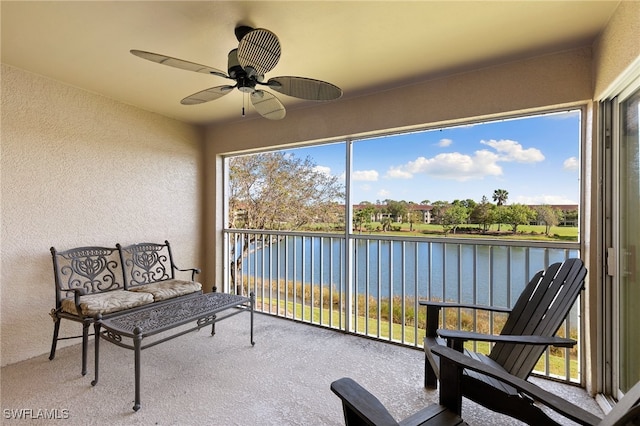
(460, 337)
(359, 401)
(433, 312)
(453, 360)
(438, 305)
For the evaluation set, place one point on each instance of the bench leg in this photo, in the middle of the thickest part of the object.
(137, 347)
(54, 343)
(85, 346)
(96, 327)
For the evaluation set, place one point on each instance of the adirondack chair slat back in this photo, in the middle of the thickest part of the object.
(540, 310)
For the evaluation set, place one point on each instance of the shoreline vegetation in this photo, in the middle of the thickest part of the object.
(325, 307)
(525, 232)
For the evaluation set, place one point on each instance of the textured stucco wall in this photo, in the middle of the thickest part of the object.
(80, 169)
(617, 47)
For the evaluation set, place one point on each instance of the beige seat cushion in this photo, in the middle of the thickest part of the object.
(106, 303)
(168, 289)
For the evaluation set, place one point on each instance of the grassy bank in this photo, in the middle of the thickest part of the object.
(524, 232)
(327, 311)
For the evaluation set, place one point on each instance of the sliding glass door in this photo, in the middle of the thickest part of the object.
(628, 277)
(622, 236)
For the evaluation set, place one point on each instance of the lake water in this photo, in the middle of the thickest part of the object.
(487, 275)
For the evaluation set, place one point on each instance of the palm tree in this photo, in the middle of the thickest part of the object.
(500, 196)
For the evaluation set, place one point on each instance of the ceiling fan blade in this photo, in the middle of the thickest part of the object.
(268, 105)
(305, 88)
(207, 95)
(177, 63)
(259, 49)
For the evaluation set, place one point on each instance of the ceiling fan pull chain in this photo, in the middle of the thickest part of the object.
(244, 96)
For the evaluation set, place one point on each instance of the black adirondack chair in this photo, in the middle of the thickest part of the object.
(530, 327)
(455, 365)
(361, 408)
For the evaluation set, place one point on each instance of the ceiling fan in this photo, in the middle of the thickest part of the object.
(258, 53)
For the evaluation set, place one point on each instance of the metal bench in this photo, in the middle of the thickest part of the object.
(109, 281)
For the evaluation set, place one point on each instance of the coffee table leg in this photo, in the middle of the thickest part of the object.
(96, 327)
(137, 343)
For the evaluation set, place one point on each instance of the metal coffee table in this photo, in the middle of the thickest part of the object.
(152, 320)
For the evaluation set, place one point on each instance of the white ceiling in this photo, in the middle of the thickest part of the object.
(362, 47)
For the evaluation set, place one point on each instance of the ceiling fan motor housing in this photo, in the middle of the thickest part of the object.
(246, 81)
(234, 67)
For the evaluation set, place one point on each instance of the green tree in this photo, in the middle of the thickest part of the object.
(570, 217)
(453, 216)
(438, 210)
(386, 224)
(414, 216)
(363, 215)
(500, 196)
(397, 209)
(549, 216)
(483, 214)
(276, 191)
(518, 214)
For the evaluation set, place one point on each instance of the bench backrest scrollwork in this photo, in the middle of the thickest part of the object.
(91, 269)
(146, 263)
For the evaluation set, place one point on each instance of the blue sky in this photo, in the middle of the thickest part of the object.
(535, 159)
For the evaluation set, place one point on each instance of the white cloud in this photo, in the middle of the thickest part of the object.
(445, 142)
(323, 169)
(454, 165)
(513, 151)
(570, 164)
(365, 175)
(544, 199)
(398, 173)
(464, 167)
(384, 193)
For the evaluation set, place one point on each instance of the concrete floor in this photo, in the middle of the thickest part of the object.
(222, 380)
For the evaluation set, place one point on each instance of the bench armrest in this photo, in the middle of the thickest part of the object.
(194, 271)
(458, 361)
(77, 292)
(463, 336)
